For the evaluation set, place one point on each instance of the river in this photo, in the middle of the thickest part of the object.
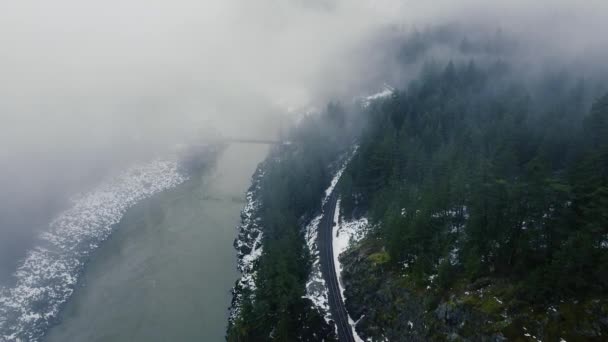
(166, 272)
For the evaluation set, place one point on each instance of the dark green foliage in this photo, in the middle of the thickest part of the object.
(291, 191)
(471, 174)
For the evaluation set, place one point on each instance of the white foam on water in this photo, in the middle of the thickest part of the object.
(46, 278)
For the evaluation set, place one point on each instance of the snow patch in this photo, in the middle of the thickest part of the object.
(248, 245)
(454, 256)
(336, 179)
(384, 93)
(316, 288)
(343, 235)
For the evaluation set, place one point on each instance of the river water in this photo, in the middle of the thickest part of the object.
(166, 272)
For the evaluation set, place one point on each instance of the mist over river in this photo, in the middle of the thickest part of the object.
(166, 271)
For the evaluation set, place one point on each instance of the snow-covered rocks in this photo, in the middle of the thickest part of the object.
(316, 288)
(344, 234)
(248, 245)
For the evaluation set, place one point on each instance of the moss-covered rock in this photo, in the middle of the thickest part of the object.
(392, 304)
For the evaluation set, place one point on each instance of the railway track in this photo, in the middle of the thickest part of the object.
(328, 268)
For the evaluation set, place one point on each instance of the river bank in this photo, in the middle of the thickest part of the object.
(166, 272)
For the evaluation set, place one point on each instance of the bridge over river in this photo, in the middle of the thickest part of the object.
(236, 140)
(242, 140)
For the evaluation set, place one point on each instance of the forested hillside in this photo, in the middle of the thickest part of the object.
(478, 180)
(293, 182)
(486, 189)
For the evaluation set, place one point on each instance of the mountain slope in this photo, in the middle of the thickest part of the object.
(487, 200)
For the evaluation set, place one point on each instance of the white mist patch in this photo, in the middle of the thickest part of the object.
(48, 275)
(344, 234)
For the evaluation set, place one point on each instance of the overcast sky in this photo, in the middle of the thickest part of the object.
(85, 83)
(93, 71)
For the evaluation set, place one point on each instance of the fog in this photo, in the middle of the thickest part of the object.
(87, 87)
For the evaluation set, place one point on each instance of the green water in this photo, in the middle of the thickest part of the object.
(165, 273)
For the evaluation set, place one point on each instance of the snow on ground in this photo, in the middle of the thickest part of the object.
(336, 179)
(47, 276)
(386, 92)
(248, 245)
(344, 234)
(316, 289)
(247, 260)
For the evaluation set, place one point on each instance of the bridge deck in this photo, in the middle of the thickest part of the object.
(253, 141)
(247, 141)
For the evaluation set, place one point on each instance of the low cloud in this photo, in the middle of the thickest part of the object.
(88, 85)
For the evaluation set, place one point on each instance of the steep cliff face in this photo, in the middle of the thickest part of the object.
(487, 202)
(248, 245)
(382, 309)
(389, 306)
